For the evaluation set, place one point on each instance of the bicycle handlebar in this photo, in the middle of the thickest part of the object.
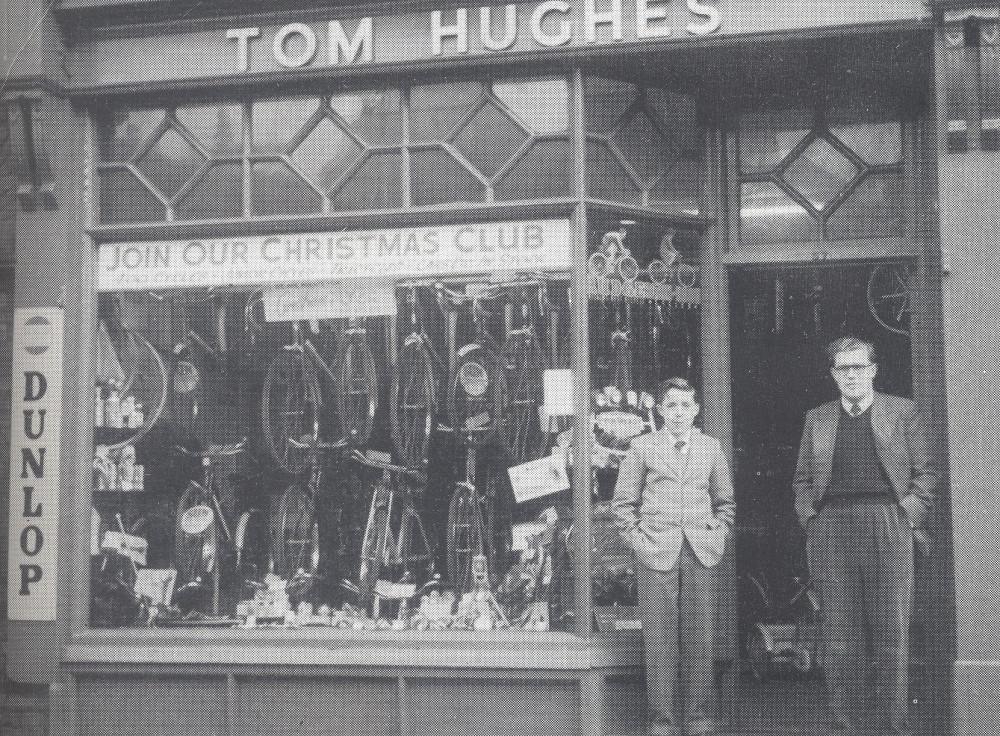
(214, 451)
(317, 445)
(363, 459)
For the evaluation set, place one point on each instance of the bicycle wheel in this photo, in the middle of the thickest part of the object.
(376, 543)
(889, 297)
(413, 391)
(524, 364)
(290, 408)
(130, 366)
(357, 386)
(296, 534)
(466, 534)
(196, 546)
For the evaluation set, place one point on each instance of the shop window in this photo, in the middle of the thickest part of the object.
(278, 121)
(644, 289)
(376, 184)
(277, 190)
(218, 128)
(543, 171)
(638, 140)
(375, 117)
(242, 466)
(437, 109)
(542, 105)
(438, 178)
(124, 198)
(836, 179)
(216, 194)
(325, 153)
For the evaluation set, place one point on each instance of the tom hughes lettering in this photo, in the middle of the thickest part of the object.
(479, 30)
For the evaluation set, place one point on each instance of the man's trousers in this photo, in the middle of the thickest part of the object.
(861, 559)
(677, 608)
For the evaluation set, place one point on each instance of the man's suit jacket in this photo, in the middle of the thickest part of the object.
(659, 502)
(901, 445)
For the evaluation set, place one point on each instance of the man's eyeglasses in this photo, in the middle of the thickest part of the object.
(843, 370)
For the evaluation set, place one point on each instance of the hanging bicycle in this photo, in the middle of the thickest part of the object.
(524, 363)
(415, 370)
(356, 384)
(292, 402)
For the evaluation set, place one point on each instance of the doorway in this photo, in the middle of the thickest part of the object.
(782, 318)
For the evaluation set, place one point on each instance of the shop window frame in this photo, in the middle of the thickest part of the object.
(575, 206)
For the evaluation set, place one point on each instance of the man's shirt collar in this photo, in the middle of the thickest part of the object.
(863, 404)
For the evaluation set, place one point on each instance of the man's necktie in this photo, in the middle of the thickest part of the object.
(679, 445)
(855, 408)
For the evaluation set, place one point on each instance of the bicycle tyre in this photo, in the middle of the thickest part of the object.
(146, 381)
(890, 310)
(295, 547)
(414, 402)
(524, 363)
(357, 387)
(376, 543)
(290, 408)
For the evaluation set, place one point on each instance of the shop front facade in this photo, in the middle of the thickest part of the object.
(317, 311)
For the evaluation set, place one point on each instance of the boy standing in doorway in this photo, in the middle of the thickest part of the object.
(863, 486)
(674, 505)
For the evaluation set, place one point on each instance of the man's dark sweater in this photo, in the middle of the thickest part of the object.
(857, 469)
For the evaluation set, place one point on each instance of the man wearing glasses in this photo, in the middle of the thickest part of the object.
(864, 484)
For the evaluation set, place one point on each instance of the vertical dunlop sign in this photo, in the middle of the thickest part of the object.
(34, 467)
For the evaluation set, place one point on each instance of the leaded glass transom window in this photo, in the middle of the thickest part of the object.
(806, 177)
(644, 146)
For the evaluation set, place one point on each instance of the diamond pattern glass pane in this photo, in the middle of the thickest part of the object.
(541, 104)
(126, 132)
(326, 153)
(219, 193)
(769, 215)
(170, 163)
(436, 109)
(439, 178)
(375, 117)
(544, 171)
(277, 121)
(218, 128)
(377, 184)
(874, 209)
(643, 146)
(678, 116)
(490, 139)
(820, 173)
(876, 143)
(767, 138)
(277, 190)
(679, 189)
(604, 102)
(123, 198)
(607, 178)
